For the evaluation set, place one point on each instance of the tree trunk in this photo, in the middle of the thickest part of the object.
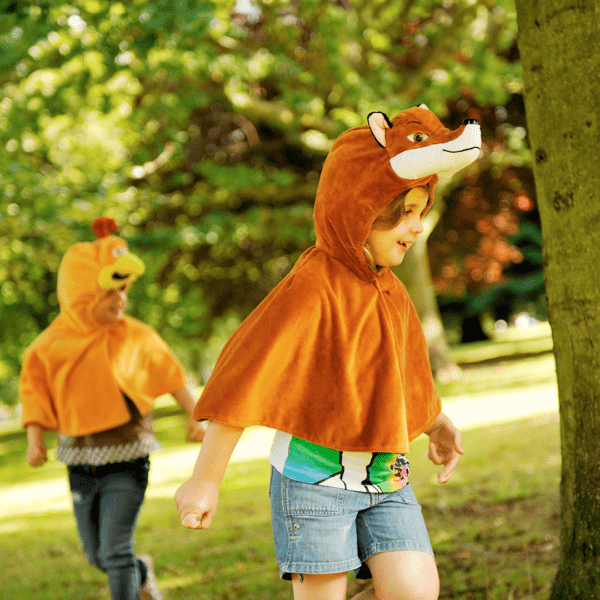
(472, 331)
(415, 273)
(558, 42)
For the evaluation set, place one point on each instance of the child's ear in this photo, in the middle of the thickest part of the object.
(378, 122)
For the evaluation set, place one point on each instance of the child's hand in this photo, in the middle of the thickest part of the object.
(195, 430)
(445, 445)
(197, 504)
(37, 453)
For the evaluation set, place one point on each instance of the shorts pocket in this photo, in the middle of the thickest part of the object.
(309, 499)
(406, 495)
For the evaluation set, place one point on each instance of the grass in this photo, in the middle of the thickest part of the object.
(494, 526)
(509, 374)
(513, 360)
(494, 529)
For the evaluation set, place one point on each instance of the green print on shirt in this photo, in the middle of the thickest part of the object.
(370, 471)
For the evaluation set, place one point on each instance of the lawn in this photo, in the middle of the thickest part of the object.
(494, 526)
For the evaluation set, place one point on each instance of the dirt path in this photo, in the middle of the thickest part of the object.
(171, 467)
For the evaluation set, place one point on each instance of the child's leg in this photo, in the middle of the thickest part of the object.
(394, 545)
(402, 575)
(122, 487)
(320, 587)
(84, 492)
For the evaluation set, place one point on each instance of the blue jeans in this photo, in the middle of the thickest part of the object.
(107, 501)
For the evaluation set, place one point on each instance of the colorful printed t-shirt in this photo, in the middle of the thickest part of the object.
(357, 471)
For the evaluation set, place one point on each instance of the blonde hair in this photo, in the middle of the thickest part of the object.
(368, 254)
(389, 218)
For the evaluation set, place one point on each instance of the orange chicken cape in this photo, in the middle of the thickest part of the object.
(75, 371)
(335, 354)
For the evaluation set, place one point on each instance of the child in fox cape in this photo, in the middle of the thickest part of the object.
(335, 360)
(93, 375)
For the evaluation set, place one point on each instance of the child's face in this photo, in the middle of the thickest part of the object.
(388, 246)
(111, 307)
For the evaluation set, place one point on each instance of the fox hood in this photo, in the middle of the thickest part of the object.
(75, 372)
(336, 354)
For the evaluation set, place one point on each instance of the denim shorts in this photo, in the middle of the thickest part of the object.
(319, 529)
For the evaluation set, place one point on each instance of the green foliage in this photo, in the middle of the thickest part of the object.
(202, 133)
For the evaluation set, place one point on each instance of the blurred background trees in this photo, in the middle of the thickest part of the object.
(201, 126)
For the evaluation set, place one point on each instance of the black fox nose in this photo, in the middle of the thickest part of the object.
(470, 122)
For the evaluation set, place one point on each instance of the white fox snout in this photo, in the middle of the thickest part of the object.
(445, 159)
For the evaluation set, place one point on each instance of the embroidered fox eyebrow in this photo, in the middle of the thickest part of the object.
(417, 122)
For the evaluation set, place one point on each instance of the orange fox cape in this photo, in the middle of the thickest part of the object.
(75, 371)
(335, 354)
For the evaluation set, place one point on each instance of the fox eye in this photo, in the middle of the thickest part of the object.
(417, 137)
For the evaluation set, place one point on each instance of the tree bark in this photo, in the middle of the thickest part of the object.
(415, 273)
(558, 42)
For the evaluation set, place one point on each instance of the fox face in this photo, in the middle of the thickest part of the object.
(419, 145)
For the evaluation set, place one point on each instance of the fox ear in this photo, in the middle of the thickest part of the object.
(423, 106)
(378, 123)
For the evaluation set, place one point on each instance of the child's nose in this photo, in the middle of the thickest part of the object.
(121, 296)
(418, 226)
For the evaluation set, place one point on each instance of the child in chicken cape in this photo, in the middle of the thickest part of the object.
(335, 360)
(93, 375)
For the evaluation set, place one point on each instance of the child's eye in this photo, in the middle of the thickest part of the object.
(417, 137)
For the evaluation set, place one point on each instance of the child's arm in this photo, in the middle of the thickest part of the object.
(445, 445)
(37, 453)
(196, 499)
(195, 431)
